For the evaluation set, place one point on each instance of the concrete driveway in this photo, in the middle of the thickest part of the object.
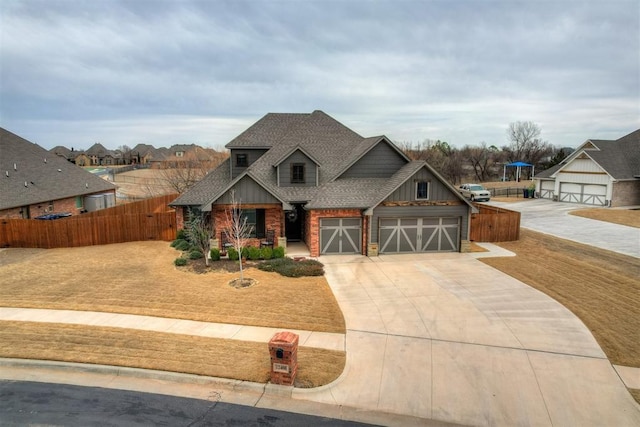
(553, 218)
(445, 337)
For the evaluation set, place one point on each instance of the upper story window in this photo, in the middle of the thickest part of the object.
(422, 190)
(297, 173)
(179, 153)
(242, 161)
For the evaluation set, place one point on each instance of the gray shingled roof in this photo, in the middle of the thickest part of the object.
(47, 181)
(620, 158)
(334, 146)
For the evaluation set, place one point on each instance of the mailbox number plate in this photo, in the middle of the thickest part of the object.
(281, 367)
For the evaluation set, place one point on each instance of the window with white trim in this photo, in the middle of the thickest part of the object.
(422, 190)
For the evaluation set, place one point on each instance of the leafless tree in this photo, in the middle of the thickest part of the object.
(482, 159)
(526, 144)
(236, 228)
(199, 232)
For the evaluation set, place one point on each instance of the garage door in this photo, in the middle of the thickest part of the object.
(590, 194)
(546, 189)
(340, 236)
(398, 235)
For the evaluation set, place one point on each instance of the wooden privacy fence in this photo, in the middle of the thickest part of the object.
(493, 224)
(125, 223)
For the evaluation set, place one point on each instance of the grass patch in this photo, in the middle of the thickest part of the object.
(140, 278)
(241, 360)
(599, 286)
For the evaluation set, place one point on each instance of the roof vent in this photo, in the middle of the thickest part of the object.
(45, 160)
(15, 167)
(26, 184)
(6, 173)
(59, 170)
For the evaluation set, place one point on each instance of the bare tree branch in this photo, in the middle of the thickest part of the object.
(236, 227)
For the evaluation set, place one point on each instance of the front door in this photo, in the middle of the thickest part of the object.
(294, 224)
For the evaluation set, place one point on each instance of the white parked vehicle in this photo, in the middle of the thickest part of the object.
(475, 192)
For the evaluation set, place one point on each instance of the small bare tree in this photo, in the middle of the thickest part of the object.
(198, 231)
(236, 228)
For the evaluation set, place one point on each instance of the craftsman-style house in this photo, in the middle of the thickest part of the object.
(307, 177)
(598, 172)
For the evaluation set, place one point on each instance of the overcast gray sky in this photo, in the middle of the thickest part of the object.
(165, 72)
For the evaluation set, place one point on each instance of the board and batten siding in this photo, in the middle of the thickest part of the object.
(382, 161)
(251, 192)
(456, 211)
(407, 191)
(252, 156)
(310, 170)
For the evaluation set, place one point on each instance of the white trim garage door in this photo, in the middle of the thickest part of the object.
(546, 189)
(340, 236)
(397, 235)
(589, 194)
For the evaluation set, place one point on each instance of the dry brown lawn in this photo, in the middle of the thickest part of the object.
(242, 360)
(139, 278)
(599, 286)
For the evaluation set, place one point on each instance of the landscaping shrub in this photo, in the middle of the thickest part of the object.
(245, 252)
(233, 254)
(181, 235)
(278, 252)
(253, 253)
(290, 268)
(266, 253)
(182, 245)
(179, 262)
(215, 254)
(195, 254)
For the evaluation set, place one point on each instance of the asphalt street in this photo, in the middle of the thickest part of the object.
(30, 403)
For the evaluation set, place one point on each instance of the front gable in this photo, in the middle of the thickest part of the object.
(436, 190)
(297, 170)
(247, 191)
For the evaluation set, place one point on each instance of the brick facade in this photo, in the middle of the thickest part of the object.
(44, 208)
(273, 219)
(312, 227)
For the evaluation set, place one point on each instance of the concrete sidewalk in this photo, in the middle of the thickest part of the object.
(325, 340)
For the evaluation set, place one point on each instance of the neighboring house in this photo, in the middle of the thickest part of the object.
(36, 182)
(599, 172)
(307, 177)
(99, 155)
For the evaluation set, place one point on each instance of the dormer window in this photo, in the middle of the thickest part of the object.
(297, 173)
(242, 161)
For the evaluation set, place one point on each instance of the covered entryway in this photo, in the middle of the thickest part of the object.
(398, 235)
(590, 194)
(340, 236)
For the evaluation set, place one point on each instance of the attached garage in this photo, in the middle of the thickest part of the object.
(340, 236)
(398, 235)
(547, 189)
(590, 194)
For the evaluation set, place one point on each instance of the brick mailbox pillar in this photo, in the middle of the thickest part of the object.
(283, 349)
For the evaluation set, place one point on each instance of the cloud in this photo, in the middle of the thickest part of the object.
(453, 70)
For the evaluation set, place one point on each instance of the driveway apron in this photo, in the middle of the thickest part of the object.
(445, 337)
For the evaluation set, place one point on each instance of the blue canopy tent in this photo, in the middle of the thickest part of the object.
(518, 166)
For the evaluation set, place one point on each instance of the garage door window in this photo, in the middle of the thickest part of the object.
(422, 190)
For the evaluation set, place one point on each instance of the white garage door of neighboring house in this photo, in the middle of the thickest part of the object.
(340, 236)
(418, 235)
(546, 189)
(590, 194)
